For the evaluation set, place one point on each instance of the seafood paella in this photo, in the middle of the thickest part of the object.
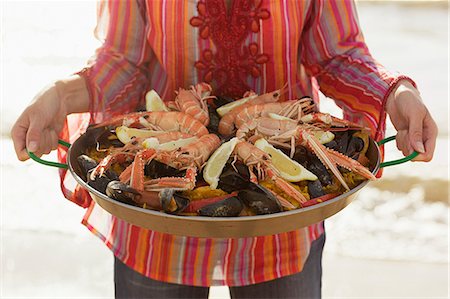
(206, 155)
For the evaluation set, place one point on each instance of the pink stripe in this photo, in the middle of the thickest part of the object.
(111, 71)
(337, 16)
(191, 260)
(241, 261)
(163, 32)
(125, 29)
(204, 266)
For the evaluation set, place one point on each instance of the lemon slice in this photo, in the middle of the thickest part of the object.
(153, 102)
(217, 162)
(289, 169)
(176, 144)
(324, 136)
(222, 110)
(279, 117)
(151, 142)
(125, 134)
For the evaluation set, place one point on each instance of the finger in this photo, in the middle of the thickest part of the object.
(415, 130)
(18, 135)
(34, 132)
(402, 141)
(54, 139)
(429, 135)
(46, 145)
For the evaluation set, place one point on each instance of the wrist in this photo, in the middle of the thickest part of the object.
(401, 88)
(73, 94)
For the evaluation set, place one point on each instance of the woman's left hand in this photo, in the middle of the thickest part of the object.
(416, 129)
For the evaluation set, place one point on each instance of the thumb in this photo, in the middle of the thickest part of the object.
(415, 131)
(34, 134)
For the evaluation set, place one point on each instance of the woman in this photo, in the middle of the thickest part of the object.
(236, 46)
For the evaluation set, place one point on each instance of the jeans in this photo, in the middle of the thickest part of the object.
(306, 284)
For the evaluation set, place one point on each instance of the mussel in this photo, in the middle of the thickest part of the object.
(230, 180)
(122, 192)
(313, 164)
(214, 119)
(315, 189)
(99, 183)
(229, 207)
(259, 200)
(85, 164)
(172, 202)
(156, 169)
(346, 143)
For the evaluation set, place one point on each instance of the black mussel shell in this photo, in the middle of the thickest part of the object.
(230, 180)
(85, 163)
(229, 207)
(214, 119)
(259, 200)
(222, 100)
(157, 169)
(315, 189)
(107, 138)
(173, 202)
(355, 146)
(122, 192)
(101, 182)
(316, 167)
(300, 154)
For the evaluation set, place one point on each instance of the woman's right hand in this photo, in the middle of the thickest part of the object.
(39, 125)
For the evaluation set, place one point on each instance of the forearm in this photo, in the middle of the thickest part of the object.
(73, 93)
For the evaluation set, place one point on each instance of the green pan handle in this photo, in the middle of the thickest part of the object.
(49, 163)
(399, 161)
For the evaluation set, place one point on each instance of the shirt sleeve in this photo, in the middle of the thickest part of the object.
(117, 76)
(334, 52)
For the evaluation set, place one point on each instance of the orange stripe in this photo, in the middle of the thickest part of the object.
(277, 41)
(141, 251)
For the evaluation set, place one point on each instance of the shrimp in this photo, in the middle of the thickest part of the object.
(291, 109)
(193, 102)
(265, 126)
(226, 124)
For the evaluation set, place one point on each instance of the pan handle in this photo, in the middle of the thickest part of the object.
(399, 161)
(49, 163)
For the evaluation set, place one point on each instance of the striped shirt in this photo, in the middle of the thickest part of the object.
(255, 45)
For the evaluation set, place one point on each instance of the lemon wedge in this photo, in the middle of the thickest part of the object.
(289, 169)
(125, 134)
(217, 162)
(222, 110)
(151, 142)
(279, 117)
(324, 136)
(153, 102)
(176, 144)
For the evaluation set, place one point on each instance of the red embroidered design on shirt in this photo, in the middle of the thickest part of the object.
(232, 62)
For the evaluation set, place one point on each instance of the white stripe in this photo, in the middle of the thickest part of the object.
(278, 259)
(150, 253)
(227, 255)
(264, 82)
(127, 255)
(181, 258)
(288, 48)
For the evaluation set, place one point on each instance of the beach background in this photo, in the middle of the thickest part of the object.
(392, 242)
